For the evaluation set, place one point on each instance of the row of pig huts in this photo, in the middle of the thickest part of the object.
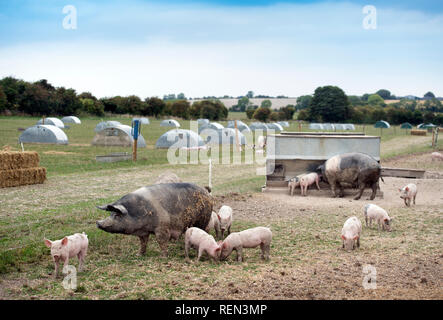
(113, 133)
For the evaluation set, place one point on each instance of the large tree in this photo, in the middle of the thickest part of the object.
(376, 100)
(262, 114)
(154, 107)
(303, 102)
(329, 104)
(429, 95)
(266, 103)
(385, 94)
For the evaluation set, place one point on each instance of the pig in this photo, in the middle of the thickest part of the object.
(293, 183)
(436, 156)
(168, 177)
(214, 223)
(250, 238)
(225, 218)
(307, 180)
(408, 193)
(350, 233)
(355, 169)
(68, 247)
(374, 212)
(202, 242)
(165, 210)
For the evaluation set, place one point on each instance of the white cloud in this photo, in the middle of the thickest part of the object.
(280, 49)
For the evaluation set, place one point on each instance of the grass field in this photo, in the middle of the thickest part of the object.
(304, 240)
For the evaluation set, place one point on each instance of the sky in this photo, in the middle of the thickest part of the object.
(216, 48)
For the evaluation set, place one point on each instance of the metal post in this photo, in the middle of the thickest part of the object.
(135, 133)
(210, 173)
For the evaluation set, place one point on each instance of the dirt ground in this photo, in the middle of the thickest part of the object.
(307, 261)
(401, 274)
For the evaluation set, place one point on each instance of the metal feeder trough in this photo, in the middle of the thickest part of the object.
(114, 157)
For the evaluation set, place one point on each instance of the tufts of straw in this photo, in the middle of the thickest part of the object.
(418, 132)
(19, 177)
(18, 160)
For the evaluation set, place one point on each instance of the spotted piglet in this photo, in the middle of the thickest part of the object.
(408, 193)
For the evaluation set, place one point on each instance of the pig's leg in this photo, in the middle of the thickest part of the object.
(187, 250)
(163, 236)
(374, 191)
(360, 192)
(366, 219)
(333, 184)
(343, 244)
(56, 268)
(200, 253)
(264, 251)
(358, 242)
(414, 199)
(239, 251)
(222, 233)
(316, 182)
(80, 261)
(143, 242)
(229, 230)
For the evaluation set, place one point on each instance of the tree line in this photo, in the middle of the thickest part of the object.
(331, 104)
(41, 98)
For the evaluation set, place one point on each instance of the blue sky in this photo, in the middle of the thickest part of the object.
(220, 47)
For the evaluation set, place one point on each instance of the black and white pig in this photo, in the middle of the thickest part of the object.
(355, 169)
(165, 210)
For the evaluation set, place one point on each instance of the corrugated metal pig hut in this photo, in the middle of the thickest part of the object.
(296, 153)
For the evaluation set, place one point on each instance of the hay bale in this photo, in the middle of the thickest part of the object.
(418, 132)
(10, 160)
(20, 177)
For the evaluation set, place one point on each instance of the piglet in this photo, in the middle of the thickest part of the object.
(202, 242)
(350, 233)
(436, 156)
(225, 218)
(374, 212)
(250, 238)
(408, 193)
(293, 183)
(214, 223)
(68, 247)
(307, 180)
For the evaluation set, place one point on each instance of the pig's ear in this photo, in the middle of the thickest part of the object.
(407, 188)
(65, 241)
(343, 237)
(48, 243)
(118, 208)
(217, 249)
(386, 220)
(356, 237)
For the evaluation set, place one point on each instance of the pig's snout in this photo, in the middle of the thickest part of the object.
(101, 224)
